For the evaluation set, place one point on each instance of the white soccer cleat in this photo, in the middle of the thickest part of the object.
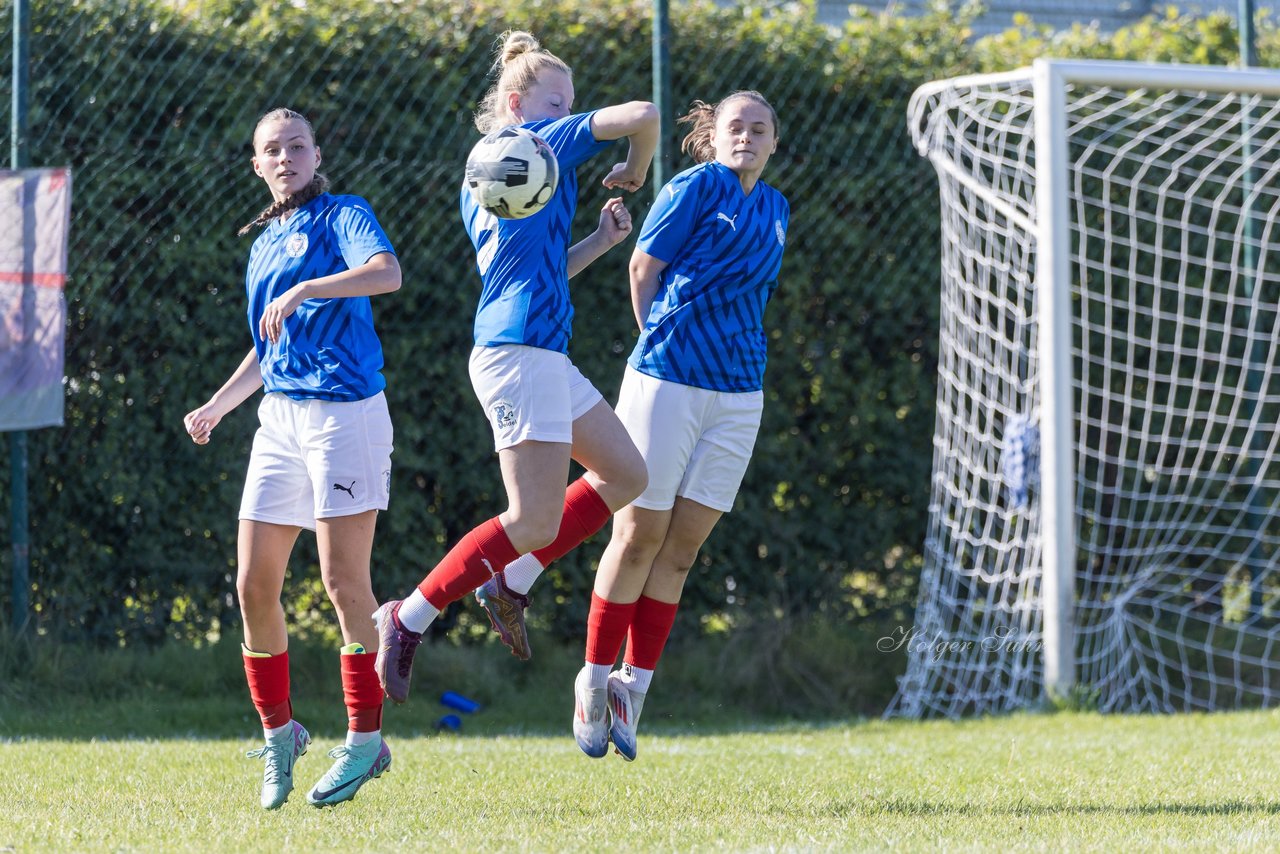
(624, 715)
(590, 705)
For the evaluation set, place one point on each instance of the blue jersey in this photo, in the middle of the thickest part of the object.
(327, 349)
(723, 251)
(523, 263)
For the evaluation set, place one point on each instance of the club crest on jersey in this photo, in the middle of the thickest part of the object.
(778, 230)
(504, 414)
(296, 246)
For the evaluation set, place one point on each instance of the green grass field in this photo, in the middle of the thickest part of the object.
(129, 752)
(1027, 782)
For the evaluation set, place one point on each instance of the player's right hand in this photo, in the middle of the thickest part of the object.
(200, 423)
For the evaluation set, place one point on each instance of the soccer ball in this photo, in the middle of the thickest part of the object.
(512, 173)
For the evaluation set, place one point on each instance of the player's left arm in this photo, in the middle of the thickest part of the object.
(615, 225)
(379, 275)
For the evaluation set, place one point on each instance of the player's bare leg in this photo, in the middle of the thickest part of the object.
(680, 533)
(615, 475)
(262, 556)
(346, 545)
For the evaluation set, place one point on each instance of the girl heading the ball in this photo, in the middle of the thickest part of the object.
(321, 458)
(542, 410)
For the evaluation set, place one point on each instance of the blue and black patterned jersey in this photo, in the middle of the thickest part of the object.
(523, 263)
(328, 349)
(723, 251)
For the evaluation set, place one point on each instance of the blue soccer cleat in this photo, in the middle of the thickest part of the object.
(280, 754)
(354, 767)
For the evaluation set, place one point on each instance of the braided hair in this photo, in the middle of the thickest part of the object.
(318, 185)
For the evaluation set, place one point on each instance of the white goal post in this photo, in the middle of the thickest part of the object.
(1104, 520)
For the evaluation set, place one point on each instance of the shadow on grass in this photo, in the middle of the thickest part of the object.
(783, 678)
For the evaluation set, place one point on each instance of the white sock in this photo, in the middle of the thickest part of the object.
(355, 739)
(636, 679)
(522, 572)
(416, 613)
(597, 674)
(279, 732)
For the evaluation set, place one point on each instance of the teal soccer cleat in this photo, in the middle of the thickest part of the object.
(354, 767)
(280, 755)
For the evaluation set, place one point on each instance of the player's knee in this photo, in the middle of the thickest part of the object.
(678, 561)
(532, 531)
(335, 586)
(635, 544)
(635, 477)
(638, 479)
(255, 594)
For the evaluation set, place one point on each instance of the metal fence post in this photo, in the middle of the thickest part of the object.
(18, 438)
(662, 93)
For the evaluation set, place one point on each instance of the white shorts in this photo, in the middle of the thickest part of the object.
(529, 393)
(696, 443)
(318, 459)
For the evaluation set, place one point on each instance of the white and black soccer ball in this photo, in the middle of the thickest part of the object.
(512, 173)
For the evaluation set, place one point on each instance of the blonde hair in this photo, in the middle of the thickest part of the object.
(703, 118)
(318, 185)
(519, 60)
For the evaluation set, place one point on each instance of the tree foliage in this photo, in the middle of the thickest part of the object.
(152, 103)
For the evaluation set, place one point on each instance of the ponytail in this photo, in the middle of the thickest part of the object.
(702, 116)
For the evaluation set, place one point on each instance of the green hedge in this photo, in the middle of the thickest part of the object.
(152, 104)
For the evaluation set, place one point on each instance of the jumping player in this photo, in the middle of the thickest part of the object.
(321, 458)
(543, 412)
(702, 272)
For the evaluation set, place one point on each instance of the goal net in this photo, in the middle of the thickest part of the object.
(1103, 514)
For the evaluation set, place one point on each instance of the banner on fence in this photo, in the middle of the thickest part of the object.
(35, 218)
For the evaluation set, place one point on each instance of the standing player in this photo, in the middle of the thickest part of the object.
(543, 412)
(702, 273)
(321, 458)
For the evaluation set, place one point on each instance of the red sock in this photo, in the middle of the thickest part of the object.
(478, 555)
(584, 513)
(269, 688)
(362, 692)
(606, 629)
(650, 628)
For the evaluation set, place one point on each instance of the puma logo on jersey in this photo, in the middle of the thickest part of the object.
(349, 490)
(726, 219)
